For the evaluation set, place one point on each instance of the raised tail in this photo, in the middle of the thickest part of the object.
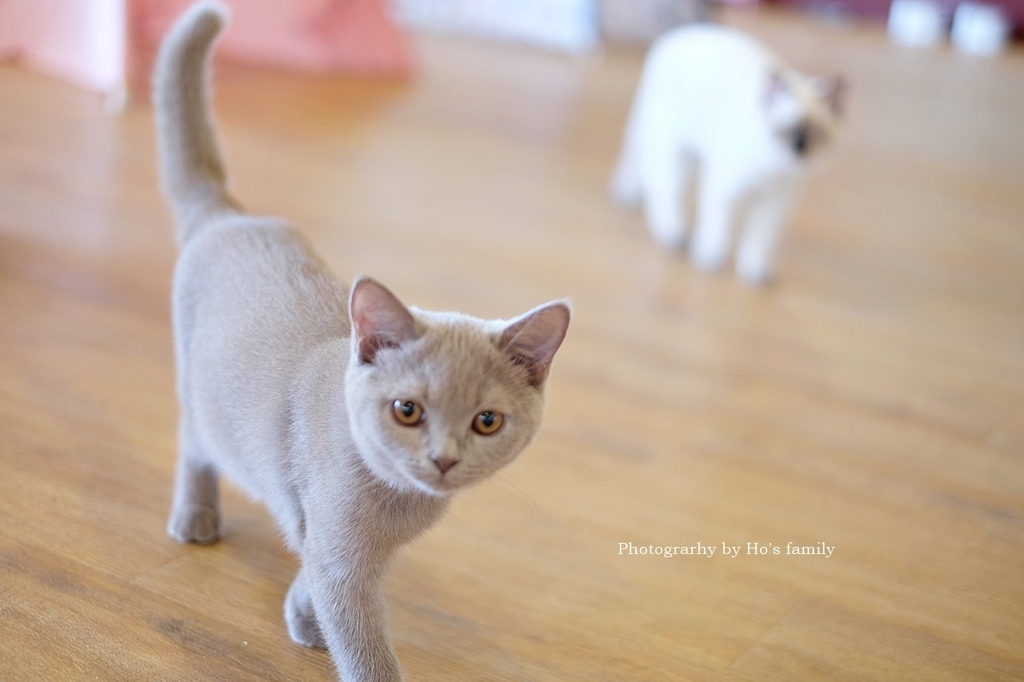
(191, 169)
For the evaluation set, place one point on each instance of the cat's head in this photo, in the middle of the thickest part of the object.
(803, 112)
(439, 401)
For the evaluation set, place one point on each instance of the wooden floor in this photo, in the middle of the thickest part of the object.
(872, 401)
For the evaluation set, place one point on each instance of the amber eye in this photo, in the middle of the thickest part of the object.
(407, 413)
(488, 422)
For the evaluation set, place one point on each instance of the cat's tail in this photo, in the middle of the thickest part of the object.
(191, 170)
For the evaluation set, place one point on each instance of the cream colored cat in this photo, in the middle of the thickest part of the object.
(352, 417)
(712, 99)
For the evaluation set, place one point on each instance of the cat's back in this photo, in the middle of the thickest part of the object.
(707, 45)
(257, 316)
(701, 84)
(257, 279)
(707, 58)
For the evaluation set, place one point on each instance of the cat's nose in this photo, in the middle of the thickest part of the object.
(801, 140)
(443, 463)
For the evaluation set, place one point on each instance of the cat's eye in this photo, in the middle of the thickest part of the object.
(488, 422)
(407, 412)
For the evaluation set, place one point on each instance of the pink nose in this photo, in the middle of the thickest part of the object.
(443, 464)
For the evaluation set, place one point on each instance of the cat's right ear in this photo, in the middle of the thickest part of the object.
(379, 320)
(775, 87)
(532, 339)
(832, 91)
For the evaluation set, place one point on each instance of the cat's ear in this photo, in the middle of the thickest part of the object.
(379, 320)
(776, 86)
(832, 91)
(532, 339)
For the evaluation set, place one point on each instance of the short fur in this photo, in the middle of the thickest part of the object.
(292, 385)
(711, 97)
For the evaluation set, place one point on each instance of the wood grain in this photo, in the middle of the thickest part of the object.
(872, 400)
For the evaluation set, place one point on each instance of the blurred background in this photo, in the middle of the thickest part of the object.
(101, 43)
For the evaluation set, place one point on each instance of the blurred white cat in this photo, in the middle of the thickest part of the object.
(712, 98)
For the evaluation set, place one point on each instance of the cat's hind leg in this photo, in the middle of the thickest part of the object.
(300, 616)
(195, 511)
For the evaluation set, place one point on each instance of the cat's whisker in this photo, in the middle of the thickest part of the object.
(519, 494)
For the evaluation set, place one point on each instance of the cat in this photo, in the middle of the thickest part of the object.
(710, 97)
(351, 416)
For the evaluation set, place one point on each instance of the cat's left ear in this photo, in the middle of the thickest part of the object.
(532, 339)
(832, 91)
(379, 320)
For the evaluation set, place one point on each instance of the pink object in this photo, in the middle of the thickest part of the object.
(92, 42)
(84, 42)
(355, 36)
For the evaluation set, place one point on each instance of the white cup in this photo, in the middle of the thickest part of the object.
(918, 23)
(979, 29)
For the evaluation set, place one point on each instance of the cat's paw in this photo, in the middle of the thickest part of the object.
(672, 238)
(303, 627)
(306, 632)
(194, 523)
(300, 617)
(668, 230)
(708, 260)
(625, 186)
(757, 276)
(624, 194)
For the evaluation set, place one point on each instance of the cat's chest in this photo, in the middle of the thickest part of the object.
(403, 516)
(376, 514)
(367, 522)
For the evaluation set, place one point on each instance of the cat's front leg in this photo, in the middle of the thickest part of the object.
(625, 185)
(664, 172)
(765, 221)
(352, 617)
(715, 212)
(195, 511)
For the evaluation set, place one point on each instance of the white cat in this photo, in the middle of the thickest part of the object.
(712, 98)
(352, 417)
